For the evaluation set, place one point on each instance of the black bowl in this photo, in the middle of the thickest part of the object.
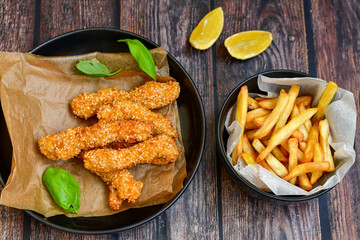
(192, 119)
(222, 137)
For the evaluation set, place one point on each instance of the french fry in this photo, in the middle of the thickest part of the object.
(298, 135)
(293, 160)
(304, 99)
(266, 166)
(302, 146)
(273, 117)
(325, 100)
(304, 182)
(324, 143)
(293, 93)
(286, 131)
(240, 117)
(274, 163)
(277, 152)
(302, 128)
(261, 98)
(250, 134)
(312, 140)
(259, 112)
(318, 157)
(253, 103)
(268, 136)
(247, 148)
(307, 167)
(283, 150)
(295, 111)
(260, 120)
(251, 125)
(248, 158)
(307, 124)
(300, 154)
(268, 103)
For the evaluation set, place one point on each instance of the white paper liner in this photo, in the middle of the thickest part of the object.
(341, 115)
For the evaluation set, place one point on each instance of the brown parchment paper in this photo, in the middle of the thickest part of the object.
(35, 93)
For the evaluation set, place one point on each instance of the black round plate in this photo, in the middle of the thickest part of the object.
(192, 119)
(222, 137)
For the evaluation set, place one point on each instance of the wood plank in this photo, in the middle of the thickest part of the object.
(245, 217)
(42, 231)
(58, 17)
(170, 24)
(17, 20)
(337, 37)
(16, 33)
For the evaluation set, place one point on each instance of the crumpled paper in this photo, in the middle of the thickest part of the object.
(341, 115)
(35, 93)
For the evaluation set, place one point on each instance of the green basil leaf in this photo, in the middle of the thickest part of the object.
(142, 55)
(64, 188)
(94, 69)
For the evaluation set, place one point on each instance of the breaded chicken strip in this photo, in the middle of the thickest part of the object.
(159, 150)
(151, 95)
(126, 110)
(68, 144)
(122, 187)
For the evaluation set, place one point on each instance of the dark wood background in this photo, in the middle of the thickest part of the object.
(320, 37)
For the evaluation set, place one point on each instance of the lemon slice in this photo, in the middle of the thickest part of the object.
(245, 45)
(208, 30)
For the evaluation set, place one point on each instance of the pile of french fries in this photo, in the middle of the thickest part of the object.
(285, 135)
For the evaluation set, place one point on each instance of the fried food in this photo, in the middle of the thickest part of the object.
(324, 143)
(273, 162)
(159, 150)
(122, 187)
(325, 100)
(240, 117)
(307, 167)
(318, 157)
(151, 95)
(293, 93)
(286, 131)
(293, 159)
(126, 110)
(274, 116)
(68, 144)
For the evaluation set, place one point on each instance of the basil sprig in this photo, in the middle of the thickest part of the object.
(142, 55)
(64, 188)
(94, 69)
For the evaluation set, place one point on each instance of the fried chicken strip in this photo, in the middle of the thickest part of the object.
(68, 144)
(126, 110)
(159, 150)
(122, 187)
(151, 95)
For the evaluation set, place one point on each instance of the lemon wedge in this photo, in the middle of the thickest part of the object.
(245, 45)
(208, 30)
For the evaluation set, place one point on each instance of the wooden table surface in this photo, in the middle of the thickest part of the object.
(320, 37)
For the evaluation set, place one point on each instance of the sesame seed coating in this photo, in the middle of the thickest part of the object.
(159, 150)
(122, 187)
(126, 110)
(68, 144)
(151, 95)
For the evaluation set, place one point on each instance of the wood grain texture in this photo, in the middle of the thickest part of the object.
(58, 17)
(170, 23)
(17, 20)
(245, 217)
(16, 33)
(337, 45)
